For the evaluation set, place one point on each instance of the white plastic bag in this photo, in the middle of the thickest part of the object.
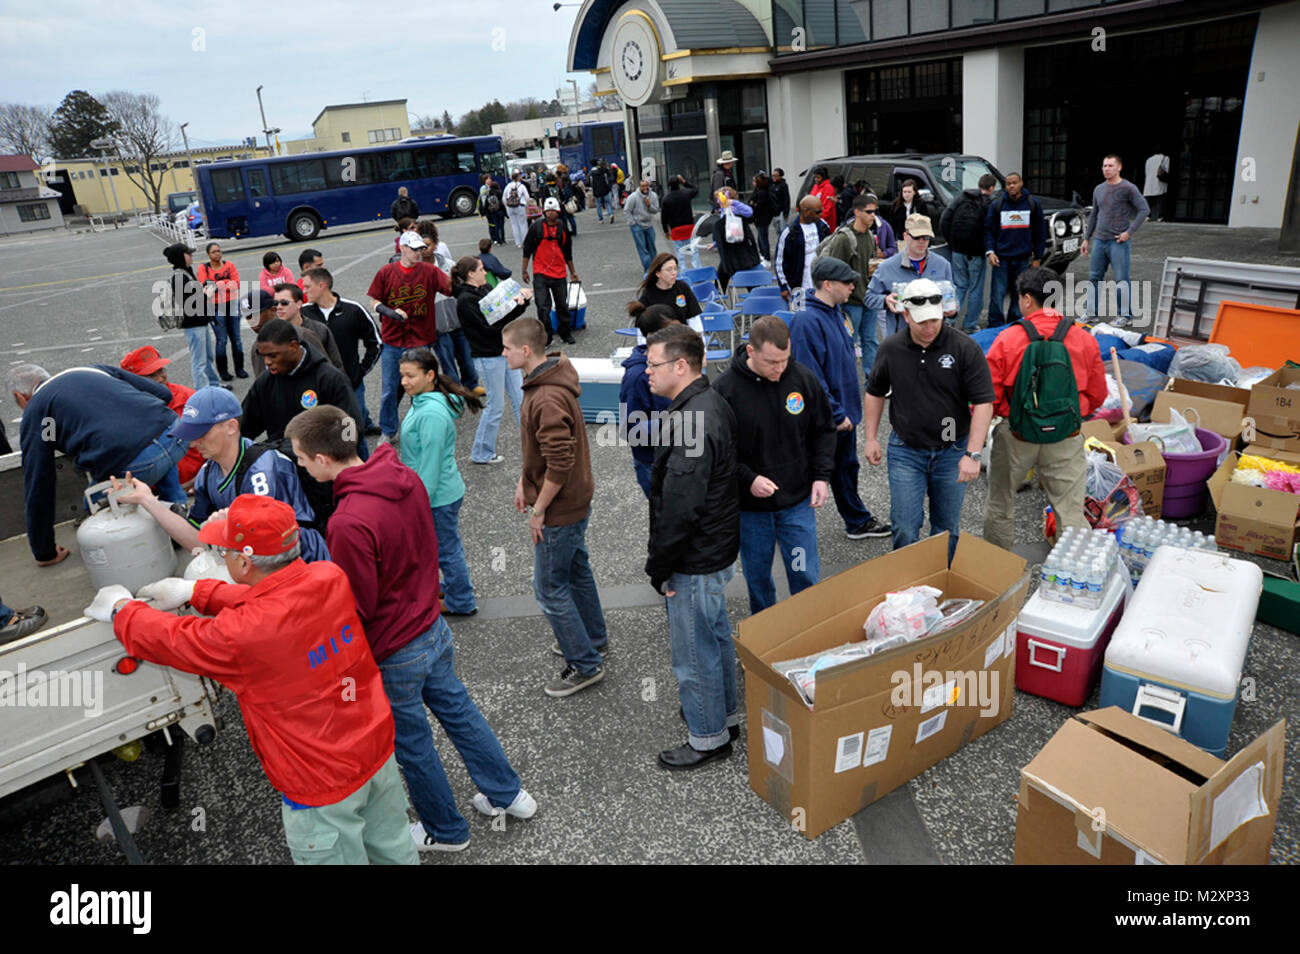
(735, 229)
(1176, 437)
(909, 613)
(1208, 362)
(1103, 475)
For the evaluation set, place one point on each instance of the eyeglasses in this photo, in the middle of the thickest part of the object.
(660, 364)
(869, 211)
(924, 300)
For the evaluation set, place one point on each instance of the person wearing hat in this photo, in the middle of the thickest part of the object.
(820, 340)
(146, 362)
(548, 242)
(285, 638)
(190, 306)
(641, 207)
(234, 465)
(939, 416)
(106, 421)
(914, 260)
(403, 293)
(723, 176)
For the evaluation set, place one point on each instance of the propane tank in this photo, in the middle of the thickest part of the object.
(122, 544)
(206, 565)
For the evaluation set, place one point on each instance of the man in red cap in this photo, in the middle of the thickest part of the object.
(285, 638)
(148, 363)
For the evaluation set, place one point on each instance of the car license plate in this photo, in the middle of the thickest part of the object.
(1070, 245)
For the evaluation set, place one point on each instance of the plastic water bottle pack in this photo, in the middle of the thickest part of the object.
(1079, 567)
(1142, 536)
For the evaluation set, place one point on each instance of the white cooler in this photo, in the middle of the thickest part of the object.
(600, 379)
(1177, 655)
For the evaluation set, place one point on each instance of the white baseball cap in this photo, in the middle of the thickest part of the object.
(551, 203)
(411, 240)
(931, 309)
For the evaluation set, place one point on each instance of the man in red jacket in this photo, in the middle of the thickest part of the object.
(823, 189)
(384, 539)
(1062, 466)
(146, 362)
(286, 640)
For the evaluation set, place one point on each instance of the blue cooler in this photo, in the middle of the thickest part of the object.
(600, 379)
(577, 309)
(1176, 657)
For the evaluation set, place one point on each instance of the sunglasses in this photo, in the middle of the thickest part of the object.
(282, 304)
(924, 300)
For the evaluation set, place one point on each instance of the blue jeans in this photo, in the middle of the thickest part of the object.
(499, 381)
(864, 332)
(1004, 277)
(1103, 252)
(764, 246)
(390, 387)
(688, 256)
(451, 559)
(566, 592)
(844, 481)
(423, 673)
(201, 358)
(968, 278)
(914, 472)
(156, 466)
(704, 660)
(794, 532)
(226, 327)
(644, 471)
(603, 205)
(893, 323)
(452, 348)
(361, 399)
(6, 614)
(644, 237)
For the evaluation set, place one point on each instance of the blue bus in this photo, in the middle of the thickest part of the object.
(297, 196)
(581, 146)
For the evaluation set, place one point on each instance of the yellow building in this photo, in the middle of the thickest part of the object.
(94, 182)
(352, 125)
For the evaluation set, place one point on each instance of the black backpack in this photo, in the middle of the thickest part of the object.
(493, 202)
(1045, 398)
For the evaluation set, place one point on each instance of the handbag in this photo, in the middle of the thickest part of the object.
(445, 316)
(571, 206)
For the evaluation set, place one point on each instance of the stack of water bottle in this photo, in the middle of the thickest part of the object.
(1079, 567)
(1142, 535)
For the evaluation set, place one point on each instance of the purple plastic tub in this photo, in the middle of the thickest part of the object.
(1186, 474)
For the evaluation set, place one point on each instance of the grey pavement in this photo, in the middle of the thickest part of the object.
(589, 760)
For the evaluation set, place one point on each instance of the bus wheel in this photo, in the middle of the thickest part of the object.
(462, 202)
(303, 227)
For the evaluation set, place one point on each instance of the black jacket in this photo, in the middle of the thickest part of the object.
(352, 327)
(962, 223)
(844, 203)
(274, 399)
(898, 215)
(484, 339)
(789, 267)
(187, 298)
(780, 196)
(734, 256)
(676, 209)
(694, 513)
(763, 205)
(784, 432)
(404, 207)
(599, 182)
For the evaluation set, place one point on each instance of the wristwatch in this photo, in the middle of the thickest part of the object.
(975, 456)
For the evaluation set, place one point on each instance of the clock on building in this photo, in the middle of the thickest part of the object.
(634, 59)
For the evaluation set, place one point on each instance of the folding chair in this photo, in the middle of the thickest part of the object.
(705, 291)
(749, 280)
(756, 306)
(629, 332)
(716, 324)
(694, 276)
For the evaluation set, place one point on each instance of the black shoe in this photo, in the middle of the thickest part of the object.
(448, 612)
(732, 730)
(374, 430)
(226, 377)
(567, 339)
(686, 757)
(872, 528)
(241, 373)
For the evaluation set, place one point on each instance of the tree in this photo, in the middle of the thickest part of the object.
(79, 120)
(144, 136)
(425, 124)
(472, 125)
(25, 130)
(446, 122)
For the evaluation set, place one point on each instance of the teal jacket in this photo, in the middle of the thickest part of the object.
(428, 445)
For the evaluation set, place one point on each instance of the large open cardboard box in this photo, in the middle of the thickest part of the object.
(876, 724)
(1219, 408)
(1255, 519)
(1112, 789)
(1274, 410)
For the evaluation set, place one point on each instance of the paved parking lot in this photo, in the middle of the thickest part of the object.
(589, 760)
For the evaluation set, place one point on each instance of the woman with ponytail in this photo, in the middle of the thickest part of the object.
(428, 447)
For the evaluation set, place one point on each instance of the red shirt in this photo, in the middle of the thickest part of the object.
(293, 652)
(189, 464)
(1008, 351)
(226, 278)
(826, 192)
(548, 260)
(412, 290)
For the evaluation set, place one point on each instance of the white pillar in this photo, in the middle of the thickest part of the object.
(993, 106)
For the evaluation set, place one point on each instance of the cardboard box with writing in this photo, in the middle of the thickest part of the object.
(1112, 789)
(881, 720)
(1274, 410)
(1142, 462)
(1255, 519)
(1219, 408)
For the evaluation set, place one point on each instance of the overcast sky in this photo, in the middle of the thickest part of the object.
(307, 55)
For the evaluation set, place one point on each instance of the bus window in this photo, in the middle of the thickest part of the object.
(494, 164)
(465, 161)
(602, 141)
(571, 136)
(307, 175)
(256, 183)
(227, 186)
(395, 166)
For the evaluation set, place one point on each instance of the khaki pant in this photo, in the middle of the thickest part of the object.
(370, 825)
(1061, 467)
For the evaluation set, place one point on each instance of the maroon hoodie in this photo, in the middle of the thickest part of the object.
(382, 535)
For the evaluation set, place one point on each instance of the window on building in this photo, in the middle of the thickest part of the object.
(927, 16)
(971, 12)
(888, 18)
(9, 180)
(113, 171)
(33, 213)
(1013, 9)
(347, 137)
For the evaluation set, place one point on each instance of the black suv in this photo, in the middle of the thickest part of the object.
(942, 177)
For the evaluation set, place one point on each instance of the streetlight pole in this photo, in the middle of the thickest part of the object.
(189, 156)
(577, 117)
(265, 132)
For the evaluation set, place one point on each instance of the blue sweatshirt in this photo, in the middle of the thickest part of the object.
(635, 394)
(1015, 228)
(493, 265)
(819, 339)
(102, 417)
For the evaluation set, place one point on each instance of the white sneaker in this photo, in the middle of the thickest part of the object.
(424, 841)
(524, 805)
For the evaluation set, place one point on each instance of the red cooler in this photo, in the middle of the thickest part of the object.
(1060, 647)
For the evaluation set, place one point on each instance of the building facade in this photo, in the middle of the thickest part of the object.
(353, 125)
(26, 203)
(1044, 87)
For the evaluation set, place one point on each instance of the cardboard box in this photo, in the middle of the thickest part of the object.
(1219, 407)
(1142, 462)
(1112, 789)
(1254, 519)
(1274, 410)
(1279, 604)
(882, 720)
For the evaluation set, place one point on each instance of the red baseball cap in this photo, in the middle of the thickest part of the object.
(254, 526)
(144, 360)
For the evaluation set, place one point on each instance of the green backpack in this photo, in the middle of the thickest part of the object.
(1045, 399)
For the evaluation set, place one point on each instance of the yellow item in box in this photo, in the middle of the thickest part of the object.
(1255, 462)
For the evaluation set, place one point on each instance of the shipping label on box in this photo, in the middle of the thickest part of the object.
(1273, 412)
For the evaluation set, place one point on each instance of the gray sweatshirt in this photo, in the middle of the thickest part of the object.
(641, 209)
(1115, 209)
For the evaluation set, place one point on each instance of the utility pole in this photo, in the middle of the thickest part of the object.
(189, 156)
(265, 131)
(103, 145)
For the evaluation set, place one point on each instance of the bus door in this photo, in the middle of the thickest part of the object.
(264, 214)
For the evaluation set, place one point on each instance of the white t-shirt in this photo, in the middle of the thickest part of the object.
(1152, 184)
(810, 241)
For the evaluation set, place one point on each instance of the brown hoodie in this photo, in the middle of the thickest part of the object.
(555, 441)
